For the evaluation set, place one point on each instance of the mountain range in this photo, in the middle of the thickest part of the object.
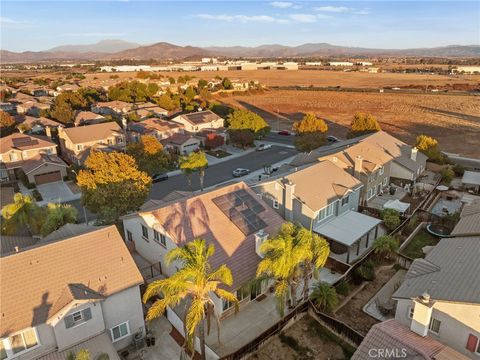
(119, 49)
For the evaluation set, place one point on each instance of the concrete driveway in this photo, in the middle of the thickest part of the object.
(56, 192)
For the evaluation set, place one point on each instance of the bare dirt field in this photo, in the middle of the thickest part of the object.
(311, 344)
(453, 120)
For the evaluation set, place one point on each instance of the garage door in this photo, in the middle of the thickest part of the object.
(48, 177)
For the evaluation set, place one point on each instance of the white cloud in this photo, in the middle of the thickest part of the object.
(14, 24)
(281, 4)
(241, 18)
(362, 12)
(333, 9)
(303, 18)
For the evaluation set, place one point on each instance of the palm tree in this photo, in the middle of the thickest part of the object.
(194, 282)
(325, 296)
(57, 216)
(196, 161)
(385, 245)
(283, 256)
(23, 212)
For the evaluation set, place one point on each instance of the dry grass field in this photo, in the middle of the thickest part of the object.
(453, 120)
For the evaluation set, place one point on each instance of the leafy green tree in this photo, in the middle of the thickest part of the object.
(149, 155)
(58, 215)
(429, 146)
(112, 185)
(310, 124)
(325, 296)
(202, 83)
(243, 138)
(165, 101)
(195, 281)
(227, 84)
(309, 141)
(247, 120)
(132, 91)
(91, 96)
(447, 175)
(385, 245)
(171, 79)
(64, 106)
(391, 218)
(196, 161)
(22, 213)
(190, 94)
(7, 123)
(363, 124)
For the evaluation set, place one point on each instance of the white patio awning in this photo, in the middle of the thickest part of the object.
(471, 178)
(401, 207)
(348, 227)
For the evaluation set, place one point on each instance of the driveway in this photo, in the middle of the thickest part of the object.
(56, 192)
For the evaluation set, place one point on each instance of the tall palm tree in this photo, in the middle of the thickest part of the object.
(196, 161)
(194, 282)
(325, 296)
(21, 213)
(57, 216)
(385, 245)
(283, 256)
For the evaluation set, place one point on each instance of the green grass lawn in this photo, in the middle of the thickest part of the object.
(414, 249)
(218, 153)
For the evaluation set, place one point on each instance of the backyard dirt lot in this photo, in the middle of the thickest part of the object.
(453, 120)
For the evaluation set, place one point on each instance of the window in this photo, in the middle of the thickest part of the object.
(144, 232)
(385, 182)
(79, 147)
(275, 204)
(370, 194)
(243, 292)
(13, 156)
(382, 170)
(435, 325)
(410, 312)
(129, 235)
(473, 344)
(110, 141)
(18, 343)
(326, 212)
(345, 200)
(226, 304)
(77, 318)
(120, 331)
(159, 238)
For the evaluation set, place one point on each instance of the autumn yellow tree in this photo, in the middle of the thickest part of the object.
(112, 185)
(7, 123)
(429, 146)
(310, 124)
(149, 155)
(363, 124)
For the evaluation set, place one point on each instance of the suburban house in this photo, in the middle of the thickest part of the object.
(368, 163)
(408, 163)
(36, 124)
(87, 118)
(161, 129)
(31, 156)
(67, 87)
(200, 120)
(76, 142)
(8, 107)
(32, 108)
(232, 218)
(392, 340)
(147, 110)
(440, 296)
(181, 143)
(324, 198)
(80, 290)
(114, 108)
(469, 223)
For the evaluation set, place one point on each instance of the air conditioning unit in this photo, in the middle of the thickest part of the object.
(260, 237)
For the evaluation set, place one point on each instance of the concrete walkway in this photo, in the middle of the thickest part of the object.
(54, 192)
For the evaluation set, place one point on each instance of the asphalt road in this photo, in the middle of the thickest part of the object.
(215, 174)
(280, 139)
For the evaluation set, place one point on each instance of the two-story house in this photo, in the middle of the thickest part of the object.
(78, 288)
(147, 110)
(87, 118)
(408, 163)
(366, 162)
(232, 218)
(440, 296)
(77, 142)
(200, 120)
(324, 198)
(161, 129)
(114, 108)
(31, 156)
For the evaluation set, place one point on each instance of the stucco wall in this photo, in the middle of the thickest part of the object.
(45, 169)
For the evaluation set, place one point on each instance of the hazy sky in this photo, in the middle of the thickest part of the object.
(40, 25)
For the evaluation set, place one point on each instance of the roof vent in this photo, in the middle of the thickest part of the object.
(425, 298)
(260, 237)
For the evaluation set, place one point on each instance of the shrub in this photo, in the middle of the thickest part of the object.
(458, 169)
(213, 141)
(429, 146)
(385, 245)
(391, 218)
(363, 124)
(325, 296)
(343, 288)
(447, 175)
(36, 195)
(365, 272)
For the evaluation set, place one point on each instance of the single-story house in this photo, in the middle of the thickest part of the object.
(200, 120)
(182, 143)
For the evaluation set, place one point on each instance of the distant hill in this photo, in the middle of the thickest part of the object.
(104, 46)
(108, 50)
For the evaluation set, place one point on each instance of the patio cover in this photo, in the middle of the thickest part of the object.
(347, 228)
(401, 207)
(471, 178)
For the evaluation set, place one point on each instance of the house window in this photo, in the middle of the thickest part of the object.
(77, 318)
(435, 325)
(370, 194)
(226, 304)
(385, 182)
(410, 312)
(345, 200)
(18, 343)
(275, 204)
(326, 212)
(79, 147)
(120, 331)
(473, 344)
(159, 238)
(110, 141)
(144, 232)
(129, 235)
(382, 170)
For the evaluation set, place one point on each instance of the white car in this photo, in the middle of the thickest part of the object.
(240, 172)
(263, 147)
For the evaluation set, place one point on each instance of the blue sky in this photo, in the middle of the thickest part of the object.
(40, 25)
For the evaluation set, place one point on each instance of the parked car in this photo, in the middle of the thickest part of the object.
(240, 172)
(262, 147)
(159, 177)
(284, 132)
(332, 139)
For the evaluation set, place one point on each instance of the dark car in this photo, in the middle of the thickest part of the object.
(332, 139)
(284, 132)
(159, 177)
(240, 172)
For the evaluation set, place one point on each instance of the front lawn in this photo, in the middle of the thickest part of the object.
(414, 248)
(218, 153)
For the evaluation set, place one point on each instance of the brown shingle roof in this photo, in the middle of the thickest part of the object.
(200, 117)
(34, 279)
(24, 142)
(39, 160)
(96, 132)
(199, 217)
(73, 292)
(152, 124)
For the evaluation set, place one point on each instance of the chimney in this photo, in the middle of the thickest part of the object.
(48, 131)
(413, 155)
(124, 123)
(289, 191)
(358, 166)
(260, 237)
(422, 314)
